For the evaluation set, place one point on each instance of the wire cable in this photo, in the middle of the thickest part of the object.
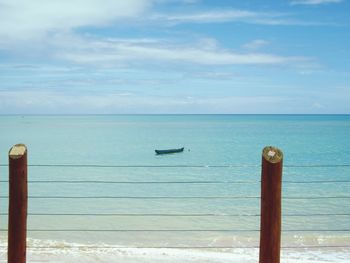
(181, 197)
(176, 247)
(170, 182)
(174, 215)
(178, 230)
(181, 166)
(140, 166)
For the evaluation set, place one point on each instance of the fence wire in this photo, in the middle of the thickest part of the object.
(176, 215)
(181, 197)
(182, 166)
(171, 182)
(177, 230)
(176, 247)
(189, 182)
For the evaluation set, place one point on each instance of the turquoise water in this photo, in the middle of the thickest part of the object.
(233, 142)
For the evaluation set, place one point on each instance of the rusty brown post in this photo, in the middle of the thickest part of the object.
(270, 219)
(18, 196)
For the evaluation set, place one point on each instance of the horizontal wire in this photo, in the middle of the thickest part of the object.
(174, 215)
(172, 182)
(314, 197)
(138, 247)
(180, 166)
(316, 165)
(140, 215)
(138, 197)
(178, 230)
(138, 182)
(317, 246)
(307, 215)
(177, 247)
(138, 166)
(181, 197)
(315, 182)
(140, 230)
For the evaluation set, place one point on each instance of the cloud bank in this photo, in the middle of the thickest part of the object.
(22, 19)
(231, 15)
(25, 20)
(114, 51)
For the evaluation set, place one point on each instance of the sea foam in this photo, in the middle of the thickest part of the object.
(59, 251)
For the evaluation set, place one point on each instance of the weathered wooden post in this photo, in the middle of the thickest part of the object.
(18, 196)
(270, 219)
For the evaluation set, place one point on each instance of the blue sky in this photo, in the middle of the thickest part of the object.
(175, 56)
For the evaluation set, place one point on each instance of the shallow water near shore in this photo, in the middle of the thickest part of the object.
(92, 176)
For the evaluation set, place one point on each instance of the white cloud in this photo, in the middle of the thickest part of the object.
(114, 51)
(213, 75)
(315, 2)
(26, 20)
(206, 17)
(22, 19)
(256, 44)
(36, 101)
(317, 105)
(232, 15)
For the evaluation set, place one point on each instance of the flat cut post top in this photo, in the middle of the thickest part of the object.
(272, 154)
(17, 151)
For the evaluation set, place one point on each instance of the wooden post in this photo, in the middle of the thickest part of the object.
(18, 196)
(270, 219)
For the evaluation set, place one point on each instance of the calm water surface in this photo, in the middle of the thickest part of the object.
(232, 141)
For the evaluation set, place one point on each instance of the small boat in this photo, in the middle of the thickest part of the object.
(169, 151)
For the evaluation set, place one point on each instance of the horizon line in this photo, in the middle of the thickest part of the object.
(173, 114)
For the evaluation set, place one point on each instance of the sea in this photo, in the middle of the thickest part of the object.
(99, 193)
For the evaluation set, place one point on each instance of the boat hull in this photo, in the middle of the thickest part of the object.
(168, 151)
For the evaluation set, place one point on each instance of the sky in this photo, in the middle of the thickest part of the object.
(174, 57)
